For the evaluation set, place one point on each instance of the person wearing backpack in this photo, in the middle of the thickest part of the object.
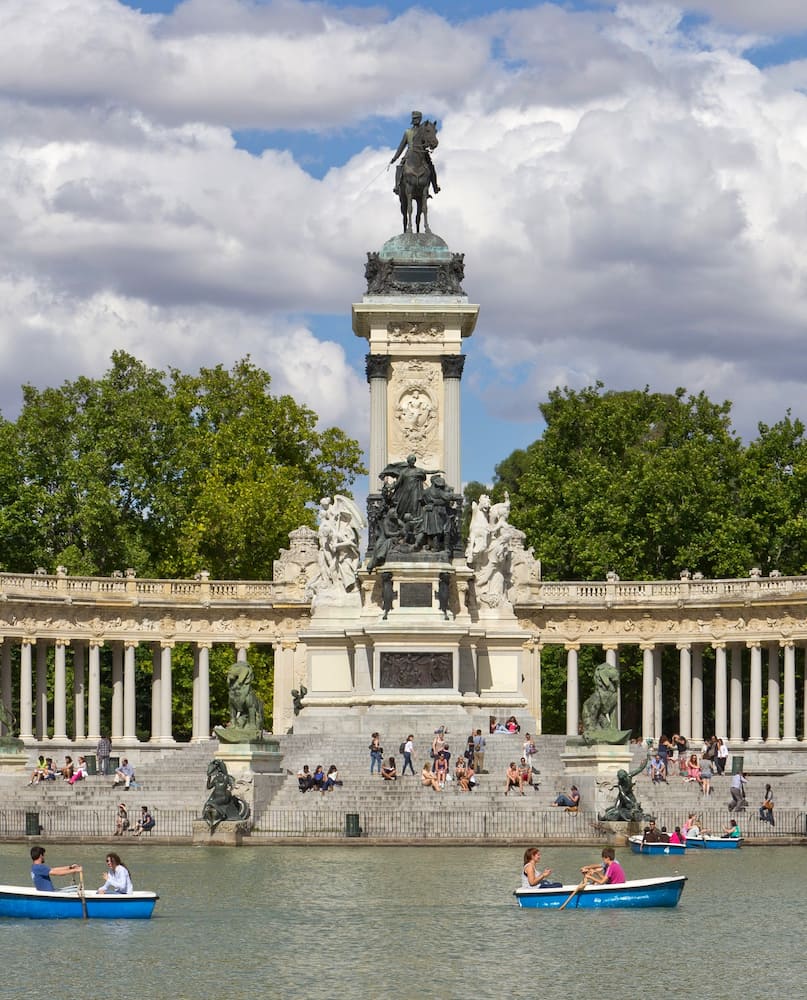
(407, 749)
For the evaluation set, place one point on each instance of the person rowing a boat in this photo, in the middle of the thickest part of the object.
(610, 872)
(41, 873)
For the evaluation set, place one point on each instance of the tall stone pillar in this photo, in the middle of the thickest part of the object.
(572, 689)
(377, 367)
(5, 680)
(721, 689)
(129, 690)
(156, 692)
(773, 692)
(697, 693)
(117, 690)
(60, 690)
(166, 693)
(658, 693)
(684, 690)
(736, 694)
(201, 692)
(79, 689)
(94, 691)
(755, 694)
(648, 693)
(241, 652)
(26, 691)
(452, 374)
(789, 715)
(41, 689)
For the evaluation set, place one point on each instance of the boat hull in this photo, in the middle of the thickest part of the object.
(638, 847)
(635, 894)
(715, 843)
(19, 902)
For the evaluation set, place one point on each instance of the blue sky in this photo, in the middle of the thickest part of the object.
(628, 183)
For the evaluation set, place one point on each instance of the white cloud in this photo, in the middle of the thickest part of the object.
(632, 205)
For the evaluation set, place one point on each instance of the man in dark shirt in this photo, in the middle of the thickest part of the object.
(41, 873)
(652, 835)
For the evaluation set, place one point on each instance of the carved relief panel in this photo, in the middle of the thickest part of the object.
(414, 420)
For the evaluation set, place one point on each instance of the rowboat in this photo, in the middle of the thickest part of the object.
(19, 901)
(634, 894)
(715, 843)
(639, 846)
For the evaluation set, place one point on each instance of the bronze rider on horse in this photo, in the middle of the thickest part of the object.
(406, 144)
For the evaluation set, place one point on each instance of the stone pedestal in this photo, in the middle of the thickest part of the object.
(13, 763)
(257, 771)
(225, 835)
(599, 759)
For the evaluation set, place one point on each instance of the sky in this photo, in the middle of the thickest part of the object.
(198, 181)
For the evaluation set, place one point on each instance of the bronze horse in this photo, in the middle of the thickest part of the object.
(416, 177)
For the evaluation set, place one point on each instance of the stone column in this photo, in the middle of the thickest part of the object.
(755, 694)
(697, 693)
(41, 689)
(611, 652)
(79, 691)
(94, 692)
(658, 701)
(201, 692)
(736, 694)
(117, 690)
(156, 692)
(5, 680)
(789, 714)
(26, 691)
(60, 690)
(129, 690)
(721, 716)
(684, 690)
(452, 374)
(241, 652)
(377, 367)
(648, 693)
(773, 692)
(572, 689)
(166, 693)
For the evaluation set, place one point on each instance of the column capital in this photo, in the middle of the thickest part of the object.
(167, 643)
(286, 644)
(131, 643)
(681, 646)
(242, 645)
(377, 366)
(787, 643)
(610, 646)
(647, 646)
(571, 647)
(95, 643)
(753, 644)
(452, 365)
(61, 642)
(27, 640)
(204, 644)
(719, 645)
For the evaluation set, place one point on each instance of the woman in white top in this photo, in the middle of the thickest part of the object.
(116, 877)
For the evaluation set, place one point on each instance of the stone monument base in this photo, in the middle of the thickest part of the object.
(226, 834)
(12, 762)
(257, 771)
(598, 759)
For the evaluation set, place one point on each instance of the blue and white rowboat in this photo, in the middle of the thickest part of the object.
(634, 894)
(638, 846)
(715, 843)
(18, 901)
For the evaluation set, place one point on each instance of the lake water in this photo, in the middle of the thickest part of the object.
(356, 922)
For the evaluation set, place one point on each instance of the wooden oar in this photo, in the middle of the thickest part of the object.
(572, 894)
(82, 897)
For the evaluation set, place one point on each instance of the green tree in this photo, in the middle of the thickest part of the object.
(166, 473)
(773, 497)
(641, 483)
